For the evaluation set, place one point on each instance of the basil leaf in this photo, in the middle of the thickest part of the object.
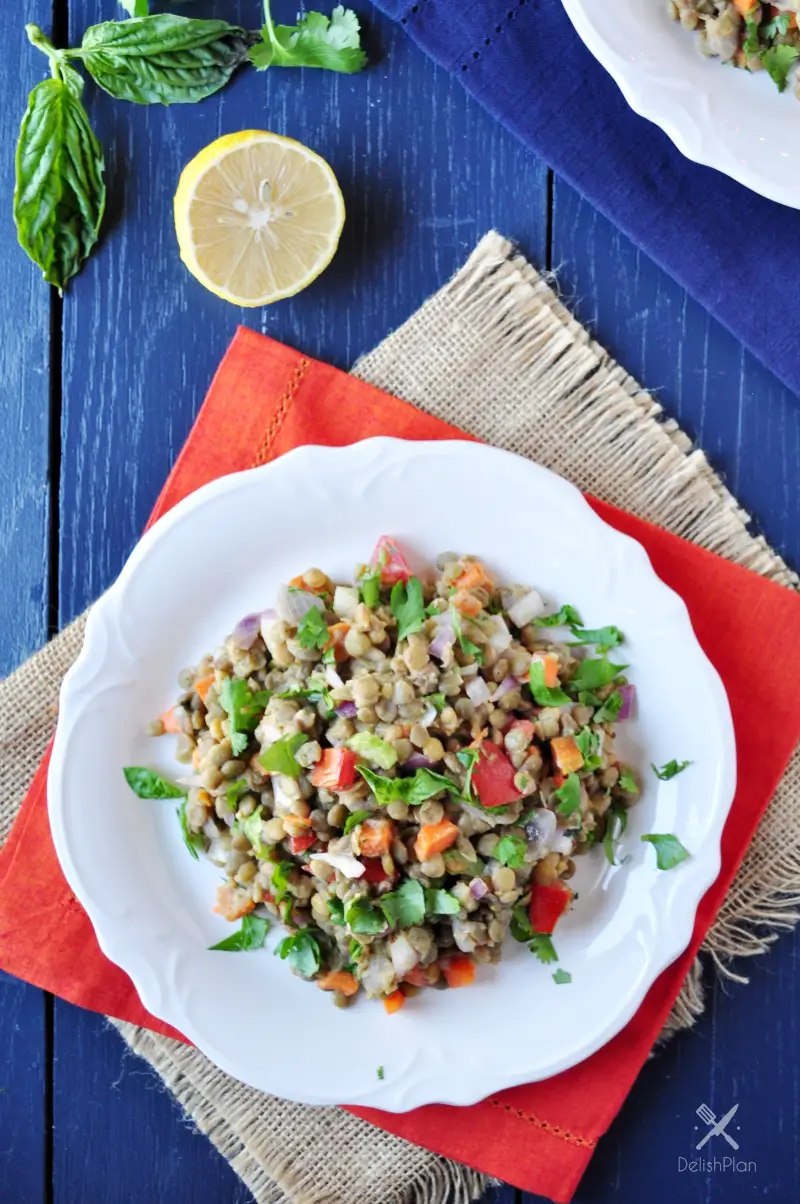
(609, 710)
(441, 903)
(369, 587)
(569, 795)
(59, 193)
(561, 977)
(163, 59)
(405, 906)
(336, 910)
(361, 916)
(315, 41)
(616, 823)
(408, 606)
(147, 784)
(423, 785)
(280, 758)
(595, 672)
(565, 617)
(194, 841)
(510, 850)
(312, 632)
(545, 696)
(438, 701)
(520, 927)
(669, 850)
(670, 770)
(301, 951)
(251, 935)
(542, 946)
(354, 819)
(604, 637)
(245, 708)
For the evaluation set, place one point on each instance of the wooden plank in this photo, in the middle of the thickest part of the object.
(23, 1026)
(748, 423)
(424, 173)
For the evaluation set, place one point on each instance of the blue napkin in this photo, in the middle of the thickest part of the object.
(732, 250)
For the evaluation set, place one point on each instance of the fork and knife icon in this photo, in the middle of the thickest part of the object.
(718, 1126)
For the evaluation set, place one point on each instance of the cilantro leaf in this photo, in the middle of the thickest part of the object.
(361, 916)
(146, 784)
(588, 741)
(251, 828)
(336, 910)
(466, 645)
(301, 951)
(670, 770)
(566, 617)
(251, 935)
(244, 708)
(595, 672)
(312, 632)
(354, 819)
(627, 781)
(194, 841)
(545, 696)
(778, 27)
(510, 850)
(315, 41)
(569, 795)
(604, 637)
(778, 62)
(609, 710)
(405, 906)
(441, 903)
(380, 752)
(234, 791)
(520, 927)
(408, 606)
(616, 823)
(438, 701)
(423, 785)
(589, 699)
(369, 587)
(280, 758)
(751, 44)
(542, 946)
(315, 692)
(380, 1073)
(669, 850)
(279, 880)
(561, 977)
(469, 759)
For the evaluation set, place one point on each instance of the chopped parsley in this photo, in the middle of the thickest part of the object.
(566, 617)
(588, 742)
(251, 828)
(280, 758)
(361, 916)
(627, 781)
(510, 850)
(369, 587)
(315, 692)
(778, 27)
(561, 977)
(234, 792)
(609, 710)
(595, 672)
(280, 879)
(147, 784)
(437, 701)
(569, 795)
(605, 638)
(336, 910)
(778, 62)
(408, 606)
(405, 906)
(616, 823)
(520, 926)
(244, 708)
(670, 770)
(669, 850)
(373, 748)
(545, 696)
(440, 902)
(542, 947)
(251, 935)
(354, 819)
(194, 841)
(312, 632)
(380, 1073)
(414, 790)
(469, 759)
(301, 951)
(466, 645)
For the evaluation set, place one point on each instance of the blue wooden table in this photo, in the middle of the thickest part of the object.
(97, 395)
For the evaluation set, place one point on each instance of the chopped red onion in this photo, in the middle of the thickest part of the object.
(506, 686)
(269, 616)
(189, 779)
(628, 695)
(500, 639)
(346, 710)
(417, 761)
(294, 605)
(478, 691)
(444, 638)
(478, 888)
(526, 609)
(246, 631)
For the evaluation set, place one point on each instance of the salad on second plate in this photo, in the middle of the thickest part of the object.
(746, 33)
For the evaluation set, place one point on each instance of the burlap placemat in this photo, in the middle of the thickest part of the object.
(495, 353)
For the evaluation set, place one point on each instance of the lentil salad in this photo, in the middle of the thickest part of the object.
(746, 33)
(401, 771)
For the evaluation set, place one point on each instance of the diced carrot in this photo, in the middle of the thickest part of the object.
(233, 903)
(745, 7)
(170, 722)
(337, 632)
(394, 1002)
(522, 725)
(335, 770)
(474, 576)
(466, 603)
(479, 739)
(338, 980)
(550, 663)
(459, 971)
(204, 685)
(566, 754)
(435, 838)
(299, 844)
(375, 837)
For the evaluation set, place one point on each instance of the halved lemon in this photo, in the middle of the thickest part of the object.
(258, 217)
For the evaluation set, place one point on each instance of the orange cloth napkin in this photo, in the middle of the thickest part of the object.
(265, 400)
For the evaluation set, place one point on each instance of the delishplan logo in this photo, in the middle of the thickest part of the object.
(716, 1127)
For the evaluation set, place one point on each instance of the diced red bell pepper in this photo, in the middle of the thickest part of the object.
(335, 770)
(548, 904)
(524, 725)
(493, 777)
(391, 560)
(374, 873)
(299, 844)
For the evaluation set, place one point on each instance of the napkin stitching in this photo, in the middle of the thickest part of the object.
(284, 405)
(499, 28)
(554, 1130)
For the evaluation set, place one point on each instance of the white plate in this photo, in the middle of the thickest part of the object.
(731, 120)
(219, 555)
